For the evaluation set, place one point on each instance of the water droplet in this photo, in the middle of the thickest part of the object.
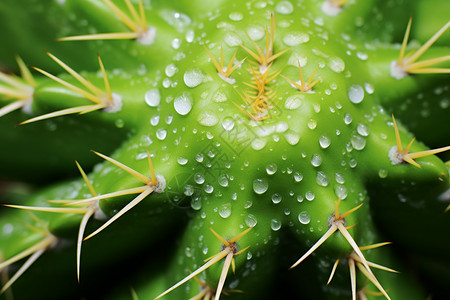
(322, 179)
(316, 160)
(193, 77)
(295, 38)
(153, 97)
(119, 123)
(281, 126)
(255, 32)
(208, 118)
(275, 224)
(223, 180)
(382, 173)
(352, 163)
(271, 169)
(312, 124)
(336, 64)
(171, 70)
(362, 129)
(324, 141)
(225, 210)
(369, 88)
(199, 157)
(348, 119)
(228, 123)
(232, 39)
(235, 16)
(358, 142)
(250, 220)
(310, 196)
(298, 177)
(355, 93)
(341, 191)
(219, 96)
(260, 186)
(182, 161)
(292, 138)
(161, 134)
(183, 104)
(258, 144)
(199, 179)
(304, 217)
(276, 198)
(294, 102)
(362, 55)
(284, 8)
(339, 178)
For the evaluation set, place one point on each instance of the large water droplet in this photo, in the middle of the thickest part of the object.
(223, 180)
(298, 176)
(199, 179)
(304, 217)
(358, 142)
(316, 160)
(183, 104)
(260, 186)
(322, 179)
(153, 97)
(355, 93)
(228, 123)
(362, 129)
(284, 8)
(193, 77)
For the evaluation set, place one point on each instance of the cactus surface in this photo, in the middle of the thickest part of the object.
(232, 149)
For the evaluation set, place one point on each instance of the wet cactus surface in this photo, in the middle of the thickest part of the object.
(231, 149)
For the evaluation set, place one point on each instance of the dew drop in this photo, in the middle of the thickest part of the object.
(292, 138)
(256, 32)
(153, 97)
(199, 179)
(275, 224)
(271, 169)
(193, 77)
(208, 118)
(316, 160)
(355, 93)
(250, 220)
(310, 196)
(322, 179)
(293, 102)
(182, 161)
(348, 119)
(324, 141)
(235, 16)
(228, 123)
(161, 134)
(276, 198)
(209, 189)
(170, 70)
(225, 210)
(336, 64)
(362, 129)
(312, 124)
(298, 177)
(258, 144)
(304, 217)
(284, 8)
(341, 191)
(183, 104)
(260, 186)
(382, 173)
(232, 39)
(223, 180)
(358, 142)
(295, 38)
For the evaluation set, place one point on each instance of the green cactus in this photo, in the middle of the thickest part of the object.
(266, 137)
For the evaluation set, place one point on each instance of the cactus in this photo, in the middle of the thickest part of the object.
(272, 138)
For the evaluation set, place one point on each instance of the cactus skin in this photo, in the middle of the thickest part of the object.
(223, 171)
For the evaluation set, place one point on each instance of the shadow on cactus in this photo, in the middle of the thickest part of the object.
(258, 151)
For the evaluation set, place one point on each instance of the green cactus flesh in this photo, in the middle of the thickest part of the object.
(240, 149)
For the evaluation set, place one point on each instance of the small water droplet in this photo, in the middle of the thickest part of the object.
(293, 102)
(170, 70)
(276, 198)
(322, 179)
(207, 118)
(275, 224)
(316, 160)
(347, 118)
(250, 220)
(369, 88)
(295, 38)
(304, 217)
(161, 134)
(183, 104)
(225, 210)
(362, 129)
(312, 124)
(154, 120)
(228, 123)
(199, 179)
(235, 16)
(271, 169)
(193, 77)
(310, 196)
(256, 32)
(153, 97)
(260, 186)
(340, 178)
(358, 142)
(258, 144)
(298, 176)
(324, 141)
(382, 173)
(223, 180)
(182, 161)
(355, 93)
(292, 138)
(336, 64)
(284, 8)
